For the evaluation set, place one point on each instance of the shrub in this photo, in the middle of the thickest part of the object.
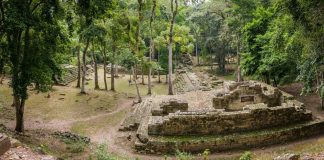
(183, 155)
(246, 156)
(206, 154)
(102, 153)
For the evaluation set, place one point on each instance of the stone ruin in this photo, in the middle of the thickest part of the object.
(4, 144)
(238, 95)
(237, 116)
(70, 74)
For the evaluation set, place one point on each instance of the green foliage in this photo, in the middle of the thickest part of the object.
(101, 153)
(206, 154)
(246, 156)
(283, 43)
(77, 147)
(128, 60)
(183, 155)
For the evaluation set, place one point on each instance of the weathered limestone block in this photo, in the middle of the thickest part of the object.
(253, 117)
(4, 144)
(171, 105)
(237, 95)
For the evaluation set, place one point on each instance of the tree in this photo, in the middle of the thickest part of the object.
(174, 12)
(149, 92)
(196, 31)
(33, 34)
(89, 11)
(104, 55)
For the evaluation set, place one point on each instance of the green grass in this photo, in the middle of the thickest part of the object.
(102, 123)
(122, 86)
(101, 153)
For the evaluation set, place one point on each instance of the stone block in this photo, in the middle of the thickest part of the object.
(237, 95)
(173, 105)
(4, 144)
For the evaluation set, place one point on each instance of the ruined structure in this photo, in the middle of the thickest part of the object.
(70, 74)
(235, 116)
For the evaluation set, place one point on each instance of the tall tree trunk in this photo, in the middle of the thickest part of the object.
(19, 87)
(112, 67)
(95, 65)
(322, 84)
(221, 60)
(159, 74)
(174, 14)
(138, 92)
(137, 89)
(138, 31)
(149, 87)
(239, 72)
(116, 72)
(79, 67)
(197, 54)
(20, 107)
(142, 70)
(170, 89)
(105, 66)
(84, 67)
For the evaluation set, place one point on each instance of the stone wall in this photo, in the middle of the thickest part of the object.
(170, 106)
(253, 117)
(232, 142)
(237, 95)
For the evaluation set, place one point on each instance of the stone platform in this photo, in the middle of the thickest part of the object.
(4, 144)
(236, 116)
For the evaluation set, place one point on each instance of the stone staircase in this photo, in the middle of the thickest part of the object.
(70, 74)
(133, 120)
(186, 82)
(179, 84)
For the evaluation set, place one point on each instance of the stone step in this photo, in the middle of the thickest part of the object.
(131, 123)
(243, 140)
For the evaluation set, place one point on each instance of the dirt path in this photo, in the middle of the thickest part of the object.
(62, 125)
